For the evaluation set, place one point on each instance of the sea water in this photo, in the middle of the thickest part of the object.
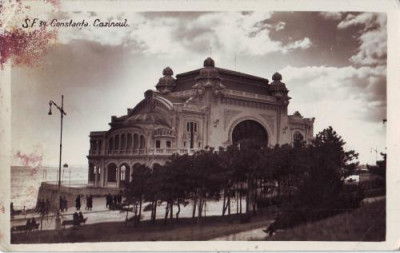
(25, 182)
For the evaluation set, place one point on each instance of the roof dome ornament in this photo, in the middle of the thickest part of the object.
(209, 62)
(166, 83)
(277, 77)
(208, 72)
(278, 88)
(168, 71)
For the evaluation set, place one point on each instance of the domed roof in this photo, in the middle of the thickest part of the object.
(152, 117)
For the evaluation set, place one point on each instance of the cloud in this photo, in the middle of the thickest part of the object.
(303, 44)
(373, 48)
(373, 39)
(331, 15)
(365, 86)
(194, 33)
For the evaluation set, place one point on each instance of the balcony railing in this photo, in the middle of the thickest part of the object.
(150, 151)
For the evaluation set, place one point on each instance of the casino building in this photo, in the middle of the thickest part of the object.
(209, 106)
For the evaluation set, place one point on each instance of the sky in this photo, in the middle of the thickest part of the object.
(333, 63)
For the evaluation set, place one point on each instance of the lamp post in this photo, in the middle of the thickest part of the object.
(62, 113)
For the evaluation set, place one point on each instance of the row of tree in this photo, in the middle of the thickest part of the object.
(311, 174)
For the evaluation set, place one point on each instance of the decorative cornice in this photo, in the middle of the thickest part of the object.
(248, 103)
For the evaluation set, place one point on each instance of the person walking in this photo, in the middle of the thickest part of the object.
(61, 204)
(78, 202)
(90, 204)
(65, 203)
(28, 225)
(87, 203)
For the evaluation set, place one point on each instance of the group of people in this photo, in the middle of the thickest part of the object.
(31, 224)
(63, 204)
(77, 218)
(89, 202)
(113, 200)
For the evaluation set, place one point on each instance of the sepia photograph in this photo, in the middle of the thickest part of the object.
(184, 125)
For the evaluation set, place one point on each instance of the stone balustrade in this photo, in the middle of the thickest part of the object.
(150, 151)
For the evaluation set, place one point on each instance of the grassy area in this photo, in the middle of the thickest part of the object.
(186, 230)
(367, 223)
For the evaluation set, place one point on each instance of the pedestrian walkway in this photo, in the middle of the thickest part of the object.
(100, 213)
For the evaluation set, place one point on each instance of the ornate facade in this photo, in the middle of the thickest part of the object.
(209, 106)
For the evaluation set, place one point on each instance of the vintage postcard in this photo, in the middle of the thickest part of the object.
(199, 125)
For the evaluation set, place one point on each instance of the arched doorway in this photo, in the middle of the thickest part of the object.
(298, 138)
(112, 173)
(92, 172)
(249, 130)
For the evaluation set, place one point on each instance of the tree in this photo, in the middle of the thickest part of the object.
(175, 183)
(153, 190)
(227, 166)
(330, 142)
(137, 188)
(321, 189)
(206, 177)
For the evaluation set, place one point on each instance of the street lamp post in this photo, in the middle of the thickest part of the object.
(62, 113)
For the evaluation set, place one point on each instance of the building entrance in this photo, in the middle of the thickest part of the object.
(249, 130)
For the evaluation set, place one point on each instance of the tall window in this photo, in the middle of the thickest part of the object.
(191, 127)
(123, 141)
(135, 141)
(297, 138)
(158, 144)
(123, 171)
(168, 144)
(92, 171)
(111, 144)
(116, 147)
(112, 173)
(142, 142)
(129, 141)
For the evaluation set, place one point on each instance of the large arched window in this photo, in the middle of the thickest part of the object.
(129, 141)
(123, 141)
(123, 173)
(298, 138)
(116, 147)
(112, 173)
(111, 144)
(92, 172)
(135, 141)
(249, 129)
(142, 142)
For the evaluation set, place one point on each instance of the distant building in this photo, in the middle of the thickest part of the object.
(209, 106)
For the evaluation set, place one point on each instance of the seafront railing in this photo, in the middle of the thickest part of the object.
(67, 183)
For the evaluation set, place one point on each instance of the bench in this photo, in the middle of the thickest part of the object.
(71, 222)
(25, 228)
